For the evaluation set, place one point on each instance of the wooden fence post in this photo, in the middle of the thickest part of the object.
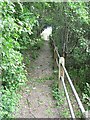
(55, 56)
(61, 71)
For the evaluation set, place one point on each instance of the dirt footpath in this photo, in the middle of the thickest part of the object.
(37, 100)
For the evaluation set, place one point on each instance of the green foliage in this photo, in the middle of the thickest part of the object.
(27, 22)
(86, 96)
(37, 44)
(71, 35)
(13, 73)
(17, 25)
(9, 99)
(12, 66)
(12, 69)
(59, 96)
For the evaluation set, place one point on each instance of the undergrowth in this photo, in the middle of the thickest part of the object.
(9, 101)
(59, 96)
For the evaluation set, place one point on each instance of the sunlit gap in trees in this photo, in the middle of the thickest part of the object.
(46, 33)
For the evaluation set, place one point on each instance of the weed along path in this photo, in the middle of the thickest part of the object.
(37, 100)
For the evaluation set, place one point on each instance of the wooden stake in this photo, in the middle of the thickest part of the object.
(55, 56)
(61, 71)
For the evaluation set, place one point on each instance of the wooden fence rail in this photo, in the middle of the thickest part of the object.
(60, 63)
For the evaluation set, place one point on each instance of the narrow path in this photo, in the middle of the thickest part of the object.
(43, 64)
(37, 100)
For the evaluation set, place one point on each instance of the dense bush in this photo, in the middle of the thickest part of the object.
(13, 74)
(17, 26)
